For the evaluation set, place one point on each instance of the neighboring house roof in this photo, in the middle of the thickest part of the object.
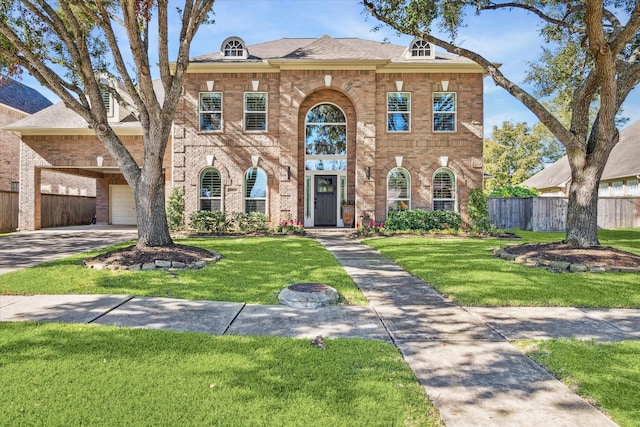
(327, 48)
(20, 97)
(58, 119)
(624, 161)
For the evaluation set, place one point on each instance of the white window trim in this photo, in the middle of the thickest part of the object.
(408, 54)
(244, 113)
(454, 199)
(223, 48)
(201, 197)
(397, 199)
(244, 191)
(200, 112)
(408, 112)
(454, 112)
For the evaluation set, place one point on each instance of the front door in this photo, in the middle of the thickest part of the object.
(326, 200)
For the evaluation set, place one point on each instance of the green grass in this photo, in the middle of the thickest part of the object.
(66, 375)
(607, 373)
(465, 270)
(253, 270)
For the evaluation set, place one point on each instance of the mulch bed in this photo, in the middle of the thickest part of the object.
(134, 255)
(558, 251)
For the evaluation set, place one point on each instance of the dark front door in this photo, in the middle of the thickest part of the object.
(326, 202)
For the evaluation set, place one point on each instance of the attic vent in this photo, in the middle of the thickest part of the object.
(107, 100)
(234, 48)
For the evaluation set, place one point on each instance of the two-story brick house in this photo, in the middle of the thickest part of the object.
(298, 126)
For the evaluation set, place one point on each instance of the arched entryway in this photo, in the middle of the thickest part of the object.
(326, 147)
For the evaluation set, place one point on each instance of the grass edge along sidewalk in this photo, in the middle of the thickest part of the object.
(465, 270)
(253, 270)
(55, 374)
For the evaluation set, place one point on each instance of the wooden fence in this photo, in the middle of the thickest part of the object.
(8, 211)
(63, 210)
(550, 213)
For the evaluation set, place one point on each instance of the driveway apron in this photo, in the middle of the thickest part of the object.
(473, 375)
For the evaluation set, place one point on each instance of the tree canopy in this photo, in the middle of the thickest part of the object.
(593, 60)
(80, 50)
(514, 153)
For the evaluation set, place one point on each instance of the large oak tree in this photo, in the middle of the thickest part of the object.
(594, 58)
(76, 47)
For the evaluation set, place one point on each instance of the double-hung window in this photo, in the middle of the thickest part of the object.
(444, 111)
(210, 107)
(398, 111)
(255, 111)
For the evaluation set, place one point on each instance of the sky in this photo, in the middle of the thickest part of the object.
(509, 38)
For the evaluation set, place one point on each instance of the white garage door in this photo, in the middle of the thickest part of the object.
(122, 207)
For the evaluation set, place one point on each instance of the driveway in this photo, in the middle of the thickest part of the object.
(27, 248)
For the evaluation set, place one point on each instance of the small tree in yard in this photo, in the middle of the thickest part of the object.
(594, 61)
(73, 47)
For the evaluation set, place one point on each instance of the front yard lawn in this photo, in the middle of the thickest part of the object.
(253, 270)
(607, 374)
(465, 270)
(72, 375)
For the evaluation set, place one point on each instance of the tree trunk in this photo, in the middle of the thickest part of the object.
(582, 210)
(149, 194)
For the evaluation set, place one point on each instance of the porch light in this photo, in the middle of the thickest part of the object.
(209, 158)
(288, 173)
(367, 172)
(100, 161)
(444, 161)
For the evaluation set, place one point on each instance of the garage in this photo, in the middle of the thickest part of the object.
(122, 205)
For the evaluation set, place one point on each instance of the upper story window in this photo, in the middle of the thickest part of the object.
(617, 188)
(444, 190)
(234, 48)
(398, 190)
(420, 49)
(210, 190)
(325, 138)
(398, 111)
(444, 111)
(633, 189)
(210, 111)
(255, 111)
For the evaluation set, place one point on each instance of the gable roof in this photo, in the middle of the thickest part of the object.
(20, 97)
(327, 48)
(624, 161)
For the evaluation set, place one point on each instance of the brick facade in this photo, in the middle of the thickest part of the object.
(304, 73)
(362, 97)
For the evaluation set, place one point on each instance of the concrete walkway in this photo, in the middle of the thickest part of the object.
(461, 355)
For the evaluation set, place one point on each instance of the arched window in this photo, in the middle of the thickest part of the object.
(420, 49)
(325, 138)
(210, 190)
(234, 47)
(255, 191)
(444, 190)
(398, 190)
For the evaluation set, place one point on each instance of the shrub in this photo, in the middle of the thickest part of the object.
(422, 220)
(479, 212)
(210, 222)
(289, 225)
(175, 208)
(252, 222)
(513, 191)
